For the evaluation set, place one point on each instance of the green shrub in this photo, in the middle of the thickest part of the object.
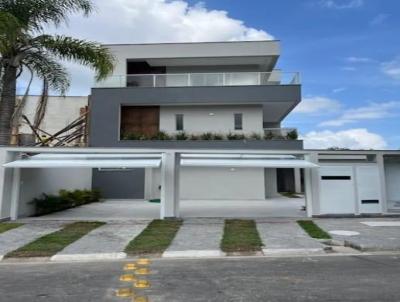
(162, 136)
(194, 137)
(256, 136)
(47, 204)
(181, 136)
(207, 136)
(235, 136)
(268, 135)
(292, 135)
(217, 137)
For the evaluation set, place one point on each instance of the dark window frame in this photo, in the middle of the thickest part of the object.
(179, 122)
(238, 121)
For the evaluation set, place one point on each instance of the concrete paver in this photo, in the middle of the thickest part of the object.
(105, 242)
(371, 238)
(18, 237)
(286, 236)
(197, 238)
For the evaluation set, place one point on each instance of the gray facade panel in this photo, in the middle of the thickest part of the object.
(119, 184)
(105, 105)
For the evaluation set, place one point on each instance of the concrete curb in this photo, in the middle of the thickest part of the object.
(193, 254)
(88, 257)
(293, 251)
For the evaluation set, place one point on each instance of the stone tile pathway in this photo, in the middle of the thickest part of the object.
(197, 237)
(286, 237)
(105, 242)
(18, 237)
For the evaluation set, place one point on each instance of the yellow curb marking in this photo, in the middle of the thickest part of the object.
(142, 271)
(142, 284)
(130, 266)
(141, 299)
(124, 292)
(128, 277)
(143, 261)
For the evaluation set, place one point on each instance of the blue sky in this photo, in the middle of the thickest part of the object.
(344, 51)
(347, 51)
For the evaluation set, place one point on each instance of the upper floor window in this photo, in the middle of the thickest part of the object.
(179, 122)
(238, 117)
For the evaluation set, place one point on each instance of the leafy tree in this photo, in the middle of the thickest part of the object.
(25, 45)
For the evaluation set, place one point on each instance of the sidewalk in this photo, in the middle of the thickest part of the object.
(201, 237)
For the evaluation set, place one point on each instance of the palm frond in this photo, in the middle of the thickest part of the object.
(34, 14)
(48, 69)
(86, 53)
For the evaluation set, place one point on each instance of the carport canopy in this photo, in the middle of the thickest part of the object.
(244, 160)
(87, 160)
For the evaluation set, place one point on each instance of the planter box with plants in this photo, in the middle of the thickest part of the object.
(47, 204)
(208, 136)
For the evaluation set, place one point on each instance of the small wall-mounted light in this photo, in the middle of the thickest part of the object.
(232, 169)
(211, 114)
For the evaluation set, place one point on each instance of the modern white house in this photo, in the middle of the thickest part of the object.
(200, 121)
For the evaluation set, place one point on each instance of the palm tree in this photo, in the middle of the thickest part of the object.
(25, 46)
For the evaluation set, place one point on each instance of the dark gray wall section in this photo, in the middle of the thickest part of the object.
(119, 184)
(105, 103)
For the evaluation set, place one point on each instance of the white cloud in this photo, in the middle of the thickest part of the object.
(317, 104)
(358, 60)
(342, 4)
(378, 19)
(371, 112)
(359, 138)
(149, 21)
(392, 68)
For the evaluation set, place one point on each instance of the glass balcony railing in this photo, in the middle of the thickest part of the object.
(202, 79)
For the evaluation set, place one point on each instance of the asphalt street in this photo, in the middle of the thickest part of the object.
(333, 278)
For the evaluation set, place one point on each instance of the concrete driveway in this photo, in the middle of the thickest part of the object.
(140, 209)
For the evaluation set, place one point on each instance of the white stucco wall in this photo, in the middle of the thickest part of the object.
(206, 183)
(216, 119)
(60, 112)
(34, 182)
(392, 176)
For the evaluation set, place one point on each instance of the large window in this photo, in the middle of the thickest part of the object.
(179, 122)
(238, 117)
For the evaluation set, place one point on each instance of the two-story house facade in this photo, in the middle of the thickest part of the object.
(196, 96)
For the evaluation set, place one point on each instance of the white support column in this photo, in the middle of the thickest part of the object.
(381, 167)
(297, 180)
(169, 185)
(16, 183)
(311, 186)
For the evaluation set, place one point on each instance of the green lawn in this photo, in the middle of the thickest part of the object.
(240, 236)
(6, 226)
(313, 230)
(51, 244)
(155, 238)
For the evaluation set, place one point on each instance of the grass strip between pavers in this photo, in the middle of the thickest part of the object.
(313, 230)
(52, 243)
(240, 236)
(155, 238)
(6, 226)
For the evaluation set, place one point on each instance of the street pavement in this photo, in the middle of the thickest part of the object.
(324, 278)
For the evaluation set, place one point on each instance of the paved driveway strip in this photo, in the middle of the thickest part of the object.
(286, 236)
(16, 238)
(370, 238)
(197, 238)
(105, 242)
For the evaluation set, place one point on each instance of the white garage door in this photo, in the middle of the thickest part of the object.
(368, 187)
(337, 195)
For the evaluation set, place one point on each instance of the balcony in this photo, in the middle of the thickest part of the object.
(280, 133)
(276, 77)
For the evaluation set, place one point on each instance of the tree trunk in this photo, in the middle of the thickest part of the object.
(7, 103)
